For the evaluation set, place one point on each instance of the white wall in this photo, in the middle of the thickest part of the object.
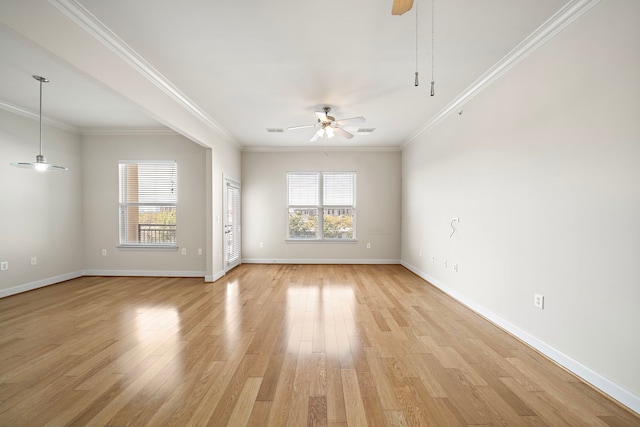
(543, 170)
(41, 212)
(100, 201)
(264, 206)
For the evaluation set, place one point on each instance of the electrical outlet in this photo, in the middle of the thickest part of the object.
(538, 301)
(104, 252)
(368, 245)
(184, 251)
(4, 265)
(34, 260)
(261, 245)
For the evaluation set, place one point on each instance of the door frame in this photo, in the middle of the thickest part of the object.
(226, 183)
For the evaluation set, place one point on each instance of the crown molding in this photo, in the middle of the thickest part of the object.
(127, 131)
(90, 23)
(6, 106)
(547, 31)
(317, 149)
(14, 109)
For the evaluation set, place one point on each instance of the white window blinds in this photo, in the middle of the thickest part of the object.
(232, 225)
(304, 189)
(338, 189)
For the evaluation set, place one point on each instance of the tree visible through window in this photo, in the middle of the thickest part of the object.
(321, 205)
(148, 200)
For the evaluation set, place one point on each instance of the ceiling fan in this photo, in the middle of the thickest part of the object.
(401, 6)
(329, 125)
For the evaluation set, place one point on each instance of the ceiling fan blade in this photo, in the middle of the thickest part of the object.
(351, 120)
(302, 127)
(401, 6)
(317, 135)
(343, 132)
(322, 116)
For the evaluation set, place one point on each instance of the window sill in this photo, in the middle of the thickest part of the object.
(168, 248)
(339, 241)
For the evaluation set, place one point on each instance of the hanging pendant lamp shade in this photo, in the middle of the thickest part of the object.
(41, 162)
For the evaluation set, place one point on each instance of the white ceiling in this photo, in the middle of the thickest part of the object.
(242, 67)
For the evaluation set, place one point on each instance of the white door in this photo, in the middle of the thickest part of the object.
(232, 238)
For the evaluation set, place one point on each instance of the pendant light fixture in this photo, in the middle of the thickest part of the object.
(416, 82)
(41, 162)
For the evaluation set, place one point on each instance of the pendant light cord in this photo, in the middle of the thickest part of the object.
(416, 83)
(432, 48)
(40, 116)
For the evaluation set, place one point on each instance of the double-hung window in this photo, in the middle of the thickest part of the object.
(321, 206)
(148, 203)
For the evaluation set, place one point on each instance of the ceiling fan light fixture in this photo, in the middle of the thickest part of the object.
(328, 130)
(41, 162)
(329, 126)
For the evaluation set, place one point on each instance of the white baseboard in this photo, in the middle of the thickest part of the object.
(145, 273)
(39, 284)
(141, 273)
(319, 261)
(215, 277)
(603, 384)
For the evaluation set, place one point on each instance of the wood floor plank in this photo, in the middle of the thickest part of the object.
(356, 413)
(395, 419)
(317, 415)
(259, 416)
(246, 399)
(336, 411)
(275, 345)
(299, 403)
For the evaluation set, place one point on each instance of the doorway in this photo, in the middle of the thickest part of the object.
(232, 218)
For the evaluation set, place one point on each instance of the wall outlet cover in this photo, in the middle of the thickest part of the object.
(538, 301)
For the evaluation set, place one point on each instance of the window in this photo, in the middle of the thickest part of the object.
(148, 196)
(322, 205)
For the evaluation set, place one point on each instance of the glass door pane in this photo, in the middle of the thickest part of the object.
(232, 238)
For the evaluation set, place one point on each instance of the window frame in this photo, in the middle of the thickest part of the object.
(124, 205)
(320, 207)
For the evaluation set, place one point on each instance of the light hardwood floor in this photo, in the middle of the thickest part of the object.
(277, 345)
